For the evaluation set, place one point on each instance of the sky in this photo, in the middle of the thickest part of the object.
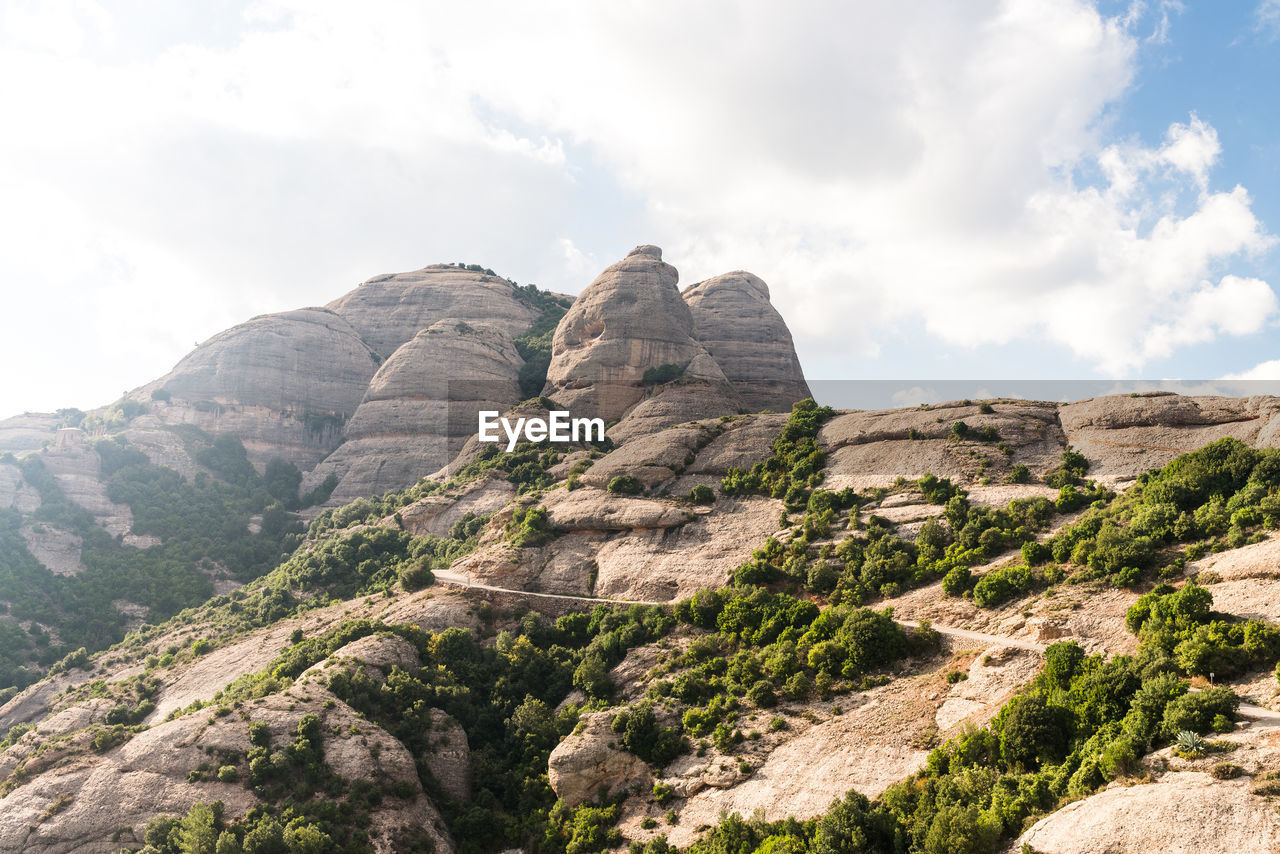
(1013, 190)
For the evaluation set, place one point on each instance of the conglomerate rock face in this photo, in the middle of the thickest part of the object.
(743, 332)
(305, 361)
(284, 384)
(389, 310)
(422, 405)
(629, 321)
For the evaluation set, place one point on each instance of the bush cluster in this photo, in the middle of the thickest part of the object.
(794, 467)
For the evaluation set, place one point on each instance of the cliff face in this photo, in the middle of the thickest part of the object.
(389, 310)
(743, 332)
(421, 405)
(282, 383)
(309, 360)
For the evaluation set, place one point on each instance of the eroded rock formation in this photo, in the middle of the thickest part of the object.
(422, 405)
(629, 321)
(389, 310)
(734, 320)
(283, 383)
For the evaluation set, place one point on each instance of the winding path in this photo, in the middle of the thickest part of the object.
(449, 576)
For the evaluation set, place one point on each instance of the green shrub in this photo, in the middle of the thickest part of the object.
(1000, 585)
(702, 494)
(1069, 470)
(958, 581)
(416, 576)
(529, 527)
(761, 695)
(644, 736)
(260, 733)
(1036, 553)
(1195, 711)
(624, 484)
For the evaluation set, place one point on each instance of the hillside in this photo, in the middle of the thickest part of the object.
(282, 600)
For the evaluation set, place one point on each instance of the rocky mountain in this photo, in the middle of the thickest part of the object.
(245, 609)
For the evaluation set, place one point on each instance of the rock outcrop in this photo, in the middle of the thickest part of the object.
(1125, 435)
(389, 310)
(1152, 817)
(873, 448)
(78, 470)
(698, 393)
(309, 360)
(23, 433)
(734, 320)
(630, 320)
(105, 804)
(422, 406)
(15, 492)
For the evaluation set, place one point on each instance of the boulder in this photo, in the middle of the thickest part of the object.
(388, 310)
(630, 320)
(734, 320)
(422, 406)
(590, 760)
(450, 758)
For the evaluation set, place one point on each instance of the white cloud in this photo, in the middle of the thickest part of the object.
(1267, 18)
(914, 396)
(878, 164)
(1269, 370)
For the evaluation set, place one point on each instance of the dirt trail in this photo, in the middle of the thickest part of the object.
(449, 576)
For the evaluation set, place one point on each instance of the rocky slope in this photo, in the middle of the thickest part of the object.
(1125, 435)
(98, 748)
(651, 546)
